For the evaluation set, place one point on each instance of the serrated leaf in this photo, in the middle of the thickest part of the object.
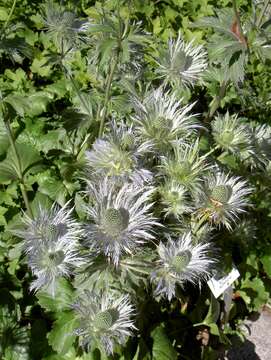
(7, 172)
(4, 142)
(266, 261)
(39, 67)
(61, 337)
(38, 103)
(10, 169)
(51, 186)
(29, 157)
(52, 140)
(62, 300)
(162, 347)
(18, 102)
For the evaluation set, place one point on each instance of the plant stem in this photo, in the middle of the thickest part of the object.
(19, 169)
(217, 100)
(9, 15)
(70, 77)
(259, 20)
(107, 95)
(237, 17)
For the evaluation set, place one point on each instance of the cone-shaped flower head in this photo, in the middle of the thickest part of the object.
(161, 119)
(179, 262)
(232, 136)
(121, 216)
(51, 245)
(182, 63)
(119, 155)
(224, 197)
(175, 199)
(186, 167)
(104, 320)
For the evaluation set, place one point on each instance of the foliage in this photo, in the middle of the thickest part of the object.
(135, 148)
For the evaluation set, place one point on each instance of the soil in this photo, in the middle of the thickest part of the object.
(258, 342)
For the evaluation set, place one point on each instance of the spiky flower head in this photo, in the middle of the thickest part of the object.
(182, 63)
(104, 320)
(186, 167)
(180, 262)
(161, 119)
(262, 143)
(175, 199)
(119, 155)
(232, 136)
(65, 29)
(223, 198)
(121, 218)
(51, 245)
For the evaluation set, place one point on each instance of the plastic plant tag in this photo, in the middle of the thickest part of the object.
(221, 281)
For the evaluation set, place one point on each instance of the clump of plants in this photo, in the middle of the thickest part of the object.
(129, 180)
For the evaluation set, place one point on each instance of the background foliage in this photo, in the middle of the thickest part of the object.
(52, 124)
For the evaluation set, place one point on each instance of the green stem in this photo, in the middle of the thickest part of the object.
(237, 17)
(265, 6)
(9, 15)
(200, 223)
(107, 96)
(217, 100)
(19, 169)
(211, 151)
(75, 87)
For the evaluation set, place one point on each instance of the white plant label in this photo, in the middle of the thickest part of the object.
(221, 281)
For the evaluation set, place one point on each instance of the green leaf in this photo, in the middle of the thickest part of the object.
(18, 102)
(51, 186)
(162, 347)
(29, 157)
(4, 142)
(266, 261)
(61, 337)
(255, 290)
(39, 67)
(62, 300)
(3, 210)
(213, 312)
(38, 103)
(3, 14)
(52, 140)
(10, 169)
(7, 172)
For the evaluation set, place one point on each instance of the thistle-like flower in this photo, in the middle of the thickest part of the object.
(119, 155)
(262, 143)
(180, 262)
(51, 245)
(175, 199)
(104, 320)
(186, 167)
(64, 27)
(223, 198)
(181, 63)
(161, 120)
(232, 136)
(121, 216)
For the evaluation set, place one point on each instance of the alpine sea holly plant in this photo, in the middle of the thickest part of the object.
(127, 183)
